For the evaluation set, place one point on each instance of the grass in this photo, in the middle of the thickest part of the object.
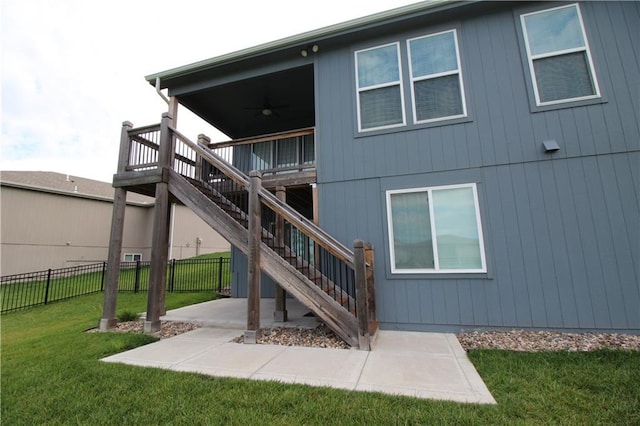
(51, 375)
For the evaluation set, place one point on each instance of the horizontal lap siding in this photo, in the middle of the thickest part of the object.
(561, 230)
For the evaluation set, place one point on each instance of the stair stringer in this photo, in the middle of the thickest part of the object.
(334, 315)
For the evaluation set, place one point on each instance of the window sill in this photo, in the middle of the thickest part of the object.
(568, 104)
(412, 127)
(440, 276)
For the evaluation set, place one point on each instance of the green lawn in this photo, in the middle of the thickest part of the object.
(51, 375)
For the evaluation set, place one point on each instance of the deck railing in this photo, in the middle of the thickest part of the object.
(278, 153)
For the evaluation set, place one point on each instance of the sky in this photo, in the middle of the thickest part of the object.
(73, 70)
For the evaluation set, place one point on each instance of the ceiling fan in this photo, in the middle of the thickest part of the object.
(267, 110)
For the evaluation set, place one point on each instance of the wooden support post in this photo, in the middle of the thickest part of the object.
(253, 275)
(161, 228)
(362, 312)
(113, 262)
(112, 274)
(280, 314)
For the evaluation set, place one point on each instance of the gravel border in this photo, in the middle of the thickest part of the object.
(323, 337)
(541, 341)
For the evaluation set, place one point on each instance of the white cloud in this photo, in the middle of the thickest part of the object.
(73, 70)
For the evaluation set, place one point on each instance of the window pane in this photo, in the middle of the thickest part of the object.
(380, 107)
(412, 243)
(438, 97)
(378, 66)
(456, 229)
(554, 30)
(309, 154)
(261, 156)
(563, 77)
(433, 54)
(287, 154)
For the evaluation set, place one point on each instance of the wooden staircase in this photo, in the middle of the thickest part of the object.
(332, 281)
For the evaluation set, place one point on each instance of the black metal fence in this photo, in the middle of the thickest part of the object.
(39, 288)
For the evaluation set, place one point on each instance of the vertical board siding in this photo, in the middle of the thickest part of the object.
(561, 230)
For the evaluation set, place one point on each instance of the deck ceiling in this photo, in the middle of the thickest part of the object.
(235, 108)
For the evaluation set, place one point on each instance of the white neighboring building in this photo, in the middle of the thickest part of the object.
(52, 220)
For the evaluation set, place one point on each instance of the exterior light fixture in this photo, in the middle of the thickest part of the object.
(309, 49)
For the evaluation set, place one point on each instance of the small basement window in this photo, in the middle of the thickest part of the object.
(132, 257)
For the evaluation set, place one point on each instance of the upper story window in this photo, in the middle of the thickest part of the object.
(559, 57)
(435, 230)
(436, 78)
(378, 79)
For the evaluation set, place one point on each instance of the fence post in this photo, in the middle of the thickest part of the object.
(173, 275)
(362, 311)
(136, 279)
(220, 274)
(104, 270)
(46, 291)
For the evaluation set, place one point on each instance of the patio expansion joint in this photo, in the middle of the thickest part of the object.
(364, 364)
(275, 355)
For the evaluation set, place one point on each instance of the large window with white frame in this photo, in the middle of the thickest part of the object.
(559, 57)
(436, 78)
(379, 83)
(435, 230)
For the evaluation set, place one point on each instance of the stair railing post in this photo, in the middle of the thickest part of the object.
(202, 140)
(280, 313)
(253, 273)
(371, 289)
(362, 311)
(112, 274)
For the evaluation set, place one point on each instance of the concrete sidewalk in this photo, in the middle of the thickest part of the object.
(422, 365)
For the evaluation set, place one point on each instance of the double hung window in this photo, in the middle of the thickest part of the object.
(436, 78)
(435, 230)
(379, 82)
(558, 53)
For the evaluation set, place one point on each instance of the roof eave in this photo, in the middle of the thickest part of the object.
(302, 38)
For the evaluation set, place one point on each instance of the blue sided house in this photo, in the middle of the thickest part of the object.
(444, 166)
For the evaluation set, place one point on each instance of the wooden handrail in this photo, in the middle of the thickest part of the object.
(263, 138)
(144, 129)
(325, 240)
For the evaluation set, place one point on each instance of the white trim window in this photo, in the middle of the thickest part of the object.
(437, 91)
(435, 230)
(379, 85)
(559, 58)
(132, 257)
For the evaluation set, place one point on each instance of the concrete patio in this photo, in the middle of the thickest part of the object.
(422, 365)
